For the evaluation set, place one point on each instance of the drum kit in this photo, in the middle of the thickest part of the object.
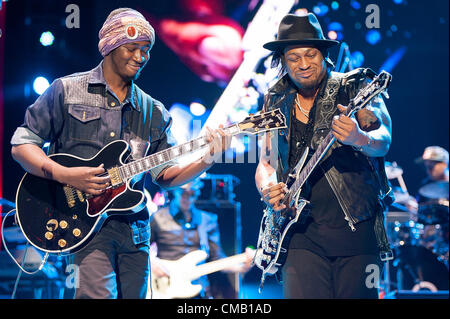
(419, 234)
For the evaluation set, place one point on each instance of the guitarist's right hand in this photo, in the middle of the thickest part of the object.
(273, 194)
(83, 178)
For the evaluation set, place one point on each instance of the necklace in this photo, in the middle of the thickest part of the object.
(305, 113)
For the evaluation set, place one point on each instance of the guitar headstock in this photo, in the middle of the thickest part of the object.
(379, 84)
(263, 122)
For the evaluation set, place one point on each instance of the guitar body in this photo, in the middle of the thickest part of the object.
(179, 283)
(60, 219)
(52, 224)
(273, 239)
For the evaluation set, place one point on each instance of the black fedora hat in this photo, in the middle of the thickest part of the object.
(297, 30)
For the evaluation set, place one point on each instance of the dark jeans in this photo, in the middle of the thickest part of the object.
(308, 275)
(111, 265)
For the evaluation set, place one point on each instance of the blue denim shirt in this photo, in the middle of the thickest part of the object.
(79, 114)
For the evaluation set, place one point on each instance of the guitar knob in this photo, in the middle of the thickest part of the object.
(63, 224)
(76, 232)
(62, 243)
(48, 235)
(52, 225)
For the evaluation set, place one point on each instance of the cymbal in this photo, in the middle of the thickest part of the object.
(393, 170)
(435, 190)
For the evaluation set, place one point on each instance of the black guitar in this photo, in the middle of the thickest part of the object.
(273, 240)
(58, 218)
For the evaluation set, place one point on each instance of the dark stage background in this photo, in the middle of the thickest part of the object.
(416, 32)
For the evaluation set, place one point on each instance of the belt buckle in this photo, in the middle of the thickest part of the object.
(386, 256)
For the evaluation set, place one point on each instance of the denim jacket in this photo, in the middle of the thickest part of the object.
(79, 114)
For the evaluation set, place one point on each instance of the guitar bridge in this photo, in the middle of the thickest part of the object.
(114, 176)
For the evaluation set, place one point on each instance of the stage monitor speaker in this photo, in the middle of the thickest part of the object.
(229, 219)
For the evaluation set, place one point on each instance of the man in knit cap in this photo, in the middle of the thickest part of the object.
(81, 113)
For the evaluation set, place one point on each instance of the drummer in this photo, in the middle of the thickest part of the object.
(433, 201)
(435, 161)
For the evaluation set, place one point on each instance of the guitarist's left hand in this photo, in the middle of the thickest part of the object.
(347, 131)
(219, 143)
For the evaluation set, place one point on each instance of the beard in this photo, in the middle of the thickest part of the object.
(311, 84)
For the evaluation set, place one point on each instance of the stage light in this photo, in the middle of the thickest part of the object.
(332, 35)
(355, 5)
(321, 9)
(373, 37)
(398, 1)
(357, 59)
(197, 109)
(394, 59)
(47, 38)
(335, 26)
(40, 84)
(335, 5)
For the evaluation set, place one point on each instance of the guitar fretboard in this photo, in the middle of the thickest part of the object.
(144, 164)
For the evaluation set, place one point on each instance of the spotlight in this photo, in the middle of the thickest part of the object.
(373, 37)
(47, 38)
(335, 26)
(332, 35)
(197, 109)
(335, 5)
(355, 5)
(40, 84)
(357, 59)
(321, 9)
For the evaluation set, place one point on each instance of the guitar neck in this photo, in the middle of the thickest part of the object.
(322, 149)
(218, 265)
(147, 163)
(312, 163)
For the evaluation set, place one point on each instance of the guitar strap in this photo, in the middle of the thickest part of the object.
(326, 109)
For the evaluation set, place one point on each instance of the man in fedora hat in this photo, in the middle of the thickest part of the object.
(331, 249)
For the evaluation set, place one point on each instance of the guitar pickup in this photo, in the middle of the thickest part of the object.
(70, 198)
(114, 176)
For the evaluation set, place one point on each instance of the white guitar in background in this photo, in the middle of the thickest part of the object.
(181, 273)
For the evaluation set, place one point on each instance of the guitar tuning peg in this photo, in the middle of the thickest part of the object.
(385, 94)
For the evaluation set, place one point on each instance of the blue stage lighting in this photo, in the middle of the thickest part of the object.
(373, 37)
(335, 5)
(320, 9)
(355, 5)
(357, 59)
(47, 38)
(40, 84)
(335, 26)
(393, 59)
